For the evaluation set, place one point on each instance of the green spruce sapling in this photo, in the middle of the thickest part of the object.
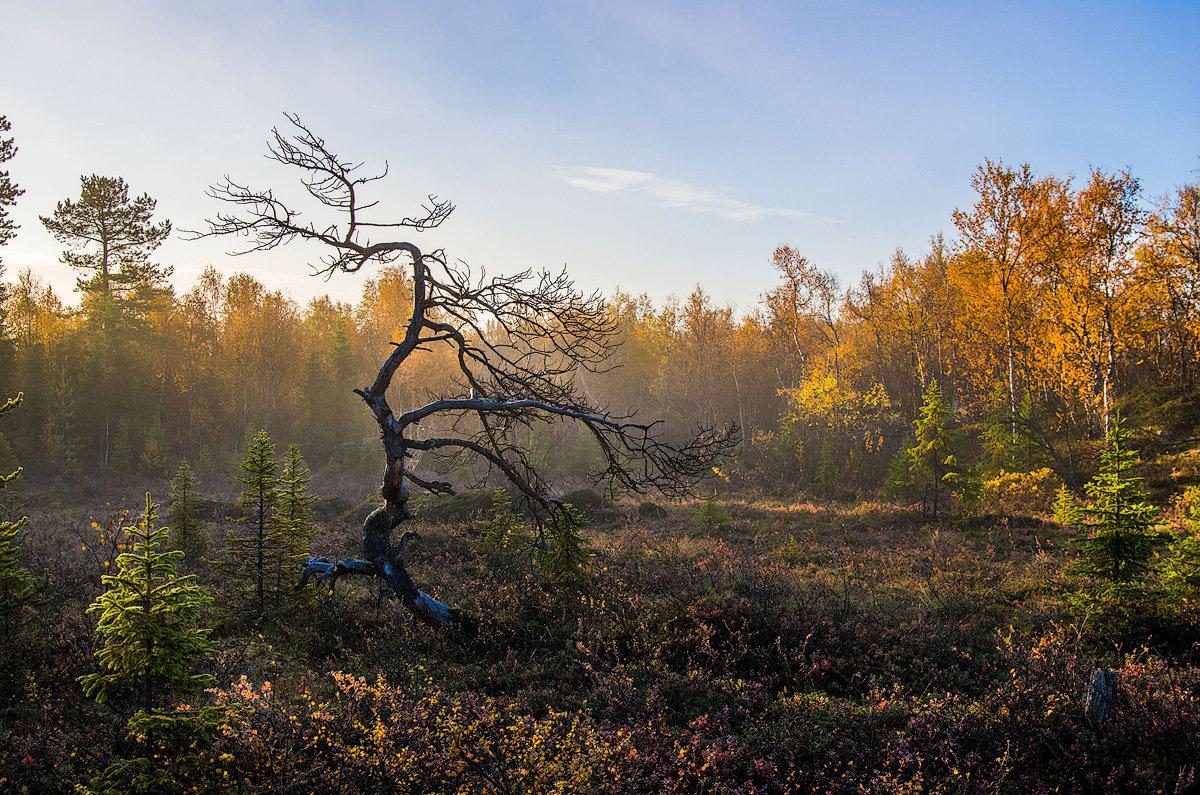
(260, 547)
(187, 531)
(148, 620)
(1119, 531)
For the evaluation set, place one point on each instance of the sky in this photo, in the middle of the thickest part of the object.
(648, 146)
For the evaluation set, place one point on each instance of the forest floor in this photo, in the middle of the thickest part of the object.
(770, 646)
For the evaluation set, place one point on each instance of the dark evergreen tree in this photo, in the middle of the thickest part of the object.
(111, 237)
(292, 517)
(187, 531)
(1119, 530)
(1006, 438)
(261, 549)
(567, 558)
(205, 466)
(148, 620)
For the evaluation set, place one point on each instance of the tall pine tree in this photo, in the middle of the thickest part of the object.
(109, 238)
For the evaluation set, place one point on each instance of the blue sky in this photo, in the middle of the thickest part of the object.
(646, 145)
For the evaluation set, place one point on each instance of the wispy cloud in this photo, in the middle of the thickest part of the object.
(669, 192)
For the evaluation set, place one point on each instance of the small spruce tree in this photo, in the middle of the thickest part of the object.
(827, 470)
(260, 547)
(931, 459)
(1119, 529)
(148, 620)
(57, 437)
(205, 466)
(292, 517)
(187, 531)
(567, 558)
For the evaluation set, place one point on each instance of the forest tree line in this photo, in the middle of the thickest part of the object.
(1058, 302)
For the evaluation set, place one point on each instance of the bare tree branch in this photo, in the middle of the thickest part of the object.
(520, 342)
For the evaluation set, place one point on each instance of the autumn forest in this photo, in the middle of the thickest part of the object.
(1057, 302)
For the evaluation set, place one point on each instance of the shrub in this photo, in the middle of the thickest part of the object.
(1181, 569)
(649, 509)
(454, 508)
(712, 515)
(1021, 492)
(583, 500)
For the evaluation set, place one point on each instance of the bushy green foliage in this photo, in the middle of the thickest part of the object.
(1181, 567)
(1006, 441)
(649, 509)
(583, 499)
(1119, 531)
(188, 533)
(558, 552)
(173, 753)
(1021, 492)
(899, 481)
(205, 466)
(829, 430)
(147, 617)
(504, 532)
(1066, 508)
(827, 470)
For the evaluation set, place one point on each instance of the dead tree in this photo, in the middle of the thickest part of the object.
(520, 342)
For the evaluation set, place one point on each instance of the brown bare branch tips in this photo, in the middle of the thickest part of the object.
(335, 184)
